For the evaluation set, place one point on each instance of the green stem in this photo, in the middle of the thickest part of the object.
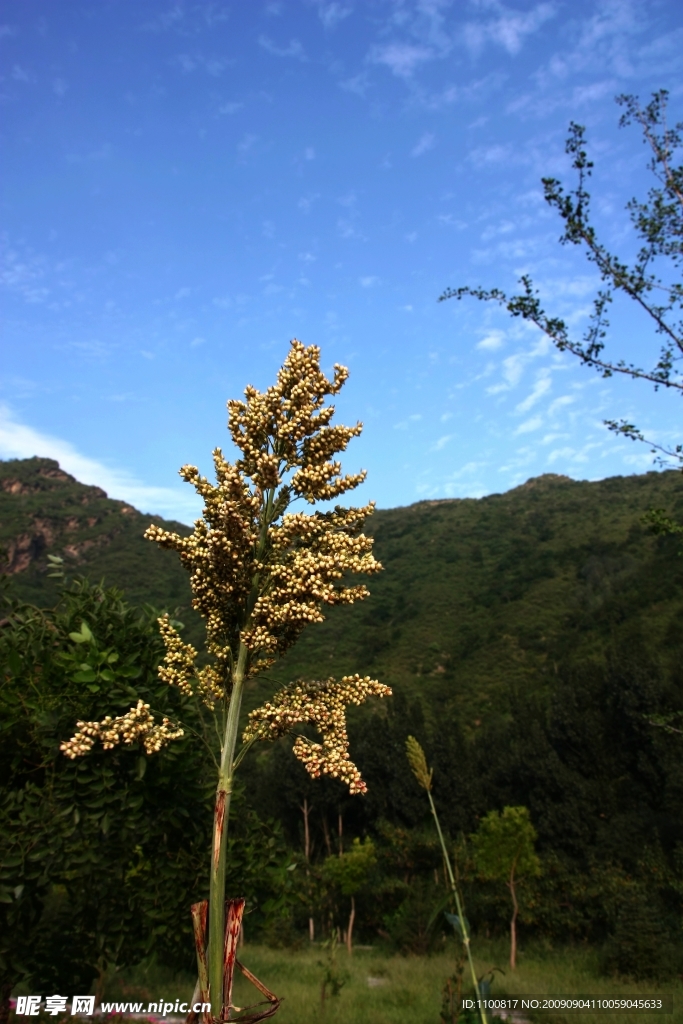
(226, 773)
(220, 837)
(461, 917)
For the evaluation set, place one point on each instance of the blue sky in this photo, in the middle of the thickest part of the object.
(189, 185)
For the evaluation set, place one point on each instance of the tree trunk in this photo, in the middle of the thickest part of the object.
(513, 922)
(349, 933)
(326, 833)
(306, 810)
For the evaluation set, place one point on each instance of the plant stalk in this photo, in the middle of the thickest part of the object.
(458, 905)
(220, 837)
(226, 775)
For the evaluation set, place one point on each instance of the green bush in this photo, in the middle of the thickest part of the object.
(640, 946)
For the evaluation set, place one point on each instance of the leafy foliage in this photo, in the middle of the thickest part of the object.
(504, 845)
(99, 856)
(557, 642)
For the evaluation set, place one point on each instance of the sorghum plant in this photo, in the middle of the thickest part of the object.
(424, 775)
(260, 574)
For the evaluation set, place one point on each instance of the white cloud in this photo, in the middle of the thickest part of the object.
(246, 144)
(331, 14)
(529, 425)
(347, 229)
(368, 282)
(569, 454)
(18, 441)
(425, 143)
(404, 424)
(295, 49)
(19, 74)
(24, 274)
(560, 403)
(512, 369)
(190, 62)
(441, 443)
(492, 341)
(540, 388)
(400, 58)
(508, 29)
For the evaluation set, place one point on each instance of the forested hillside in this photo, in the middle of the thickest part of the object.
(530, 639)
(478, 596)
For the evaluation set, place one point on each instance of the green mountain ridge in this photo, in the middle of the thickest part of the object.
(479, 597)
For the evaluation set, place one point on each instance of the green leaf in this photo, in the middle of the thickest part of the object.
(131, 672)
(14, 662)
(94, 688)
(85, 677)
(82, 637)
(107, 675)
(454, 920)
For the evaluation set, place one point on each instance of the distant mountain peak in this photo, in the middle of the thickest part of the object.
(544, 478)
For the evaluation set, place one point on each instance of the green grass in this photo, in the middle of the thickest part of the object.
(410, 989)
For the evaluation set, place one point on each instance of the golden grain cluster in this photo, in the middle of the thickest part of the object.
(261, 573)
(323, 704)
(136, 725)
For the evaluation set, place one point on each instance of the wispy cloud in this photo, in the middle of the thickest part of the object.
(560, 403)
(441, 443)
(425, 143)
(246, 144)
(295, 49)
(513, 368)
(492, 341)
(401, 58)
(529, 425)
(507, 28)
(189, 62)
(414, 417)
(20, 74)
(19, 441)
(357, 84)
(540, 388)
(332, 13)
(25, 273)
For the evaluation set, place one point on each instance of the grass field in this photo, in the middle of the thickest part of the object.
(387, 989)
